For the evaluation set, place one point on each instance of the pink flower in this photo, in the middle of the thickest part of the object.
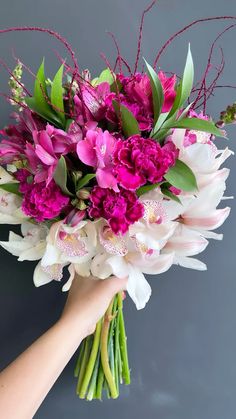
(192, 137)
(49, 145)
(16, 137)
(41, 202)
(92, 105)
(137, 97)
(120, 209)
(168, 85)
(138, 161)
(96, 150)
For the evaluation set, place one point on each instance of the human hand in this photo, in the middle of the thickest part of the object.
(88, 300)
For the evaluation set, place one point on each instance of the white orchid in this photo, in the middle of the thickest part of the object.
(10, 204)
(31, 245)
(128, 257)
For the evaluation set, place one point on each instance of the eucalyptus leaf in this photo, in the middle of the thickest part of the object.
(182, 177)
(11, 187)
(60, 176)
(198, 125)
(157, 91)
(85, 180)
(170, 195)
(57, 94)
(129, 123)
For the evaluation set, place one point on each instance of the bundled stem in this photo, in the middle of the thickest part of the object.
(103, 359)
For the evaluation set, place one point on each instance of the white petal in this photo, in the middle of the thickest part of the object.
(119, 266)
(190, 263)
(210, 221)
(99, 266)
(68, 283)
(51, 256)
(137, 287)
(40, 277)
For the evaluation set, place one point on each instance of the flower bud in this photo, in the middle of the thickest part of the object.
(83, 194)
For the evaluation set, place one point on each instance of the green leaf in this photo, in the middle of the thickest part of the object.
(57, 94)
(60, 176)
(40, 92)
(146, 188)
(11, 187)
(181, 176)
(170, 195)
(30, 102)
(106, 76)
(157, 91)
(188, 76)
(129, 123)
(198, 125)
(84, 180)
(185, 86)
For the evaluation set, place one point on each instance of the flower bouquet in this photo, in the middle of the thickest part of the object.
(114, 175)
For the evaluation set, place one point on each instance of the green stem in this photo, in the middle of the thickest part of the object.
(104, 352)
(100, 382)
(123, 342)
(79, 360)
(92, 386)
(85, 356)
(91, 362)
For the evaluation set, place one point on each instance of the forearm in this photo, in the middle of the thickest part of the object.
(25, 383)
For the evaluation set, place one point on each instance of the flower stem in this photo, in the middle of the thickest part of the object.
(104, 352)
(123, 342)
(91, 362)
(79, 360)
(100, 382)
(85, 355)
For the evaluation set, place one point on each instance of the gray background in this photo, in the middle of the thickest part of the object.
(182, 347)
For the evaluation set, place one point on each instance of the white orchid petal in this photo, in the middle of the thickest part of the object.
(51, 256)
(137, 287)
(34, 253)
(40, 277)
(208, 222)
(99, 266)
(68, 283)
(119, 266)
(190, 263)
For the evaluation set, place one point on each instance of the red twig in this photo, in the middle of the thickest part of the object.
(141, 33)
(195, 22)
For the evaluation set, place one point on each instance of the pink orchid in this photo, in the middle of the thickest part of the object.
(96, 150)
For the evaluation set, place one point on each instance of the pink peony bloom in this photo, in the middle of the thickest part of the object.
(40, 202)
(168, 85)
(119, 209)
(138, 161)
(96, 150)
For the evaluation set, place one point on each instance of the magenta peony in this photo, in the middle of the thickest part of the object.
(119, 209)
(139, 160)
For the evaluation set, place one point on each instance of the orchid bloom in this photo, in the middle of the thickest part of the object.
(96, 150)
(29, 247)
(10, 204)
(121, 257)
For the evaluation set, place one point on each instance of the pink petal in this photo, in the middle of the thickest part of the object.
(86, 149)
(209, 221)
(43, 155)
(106, 179)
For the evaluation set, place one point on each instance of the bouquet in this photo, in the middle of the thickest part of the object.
(114, 175)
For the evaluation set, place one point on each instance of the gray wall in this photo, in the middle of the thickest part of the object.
(182, 346)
